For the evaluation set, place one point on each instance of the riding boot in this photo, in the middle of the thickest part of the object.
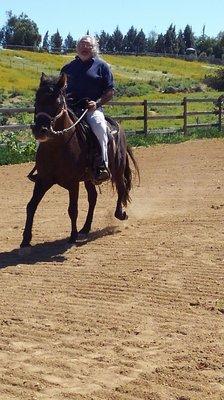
(101, 171)
(102, 174)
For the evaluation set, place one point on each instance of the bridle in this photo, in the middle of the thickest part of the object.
(59, 115)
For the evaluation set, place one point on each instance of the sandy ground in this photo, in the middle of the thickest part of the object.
(136, 313)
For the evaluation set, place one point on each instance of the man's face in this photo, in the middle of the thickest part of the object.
(85, 49)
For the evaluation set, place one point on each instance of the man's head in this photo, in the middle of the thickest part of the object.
(87, 47)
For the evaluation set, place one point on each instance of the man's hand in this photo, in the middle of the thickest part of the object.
(107, 96)
(91, 105)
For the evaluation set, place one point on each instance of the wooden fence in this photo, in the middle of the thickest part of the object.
(218, 113)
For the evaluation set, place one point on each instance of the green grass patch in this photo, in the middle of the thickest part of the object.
(155, 138)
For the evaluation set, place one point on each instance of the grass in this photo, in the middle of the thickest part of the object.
(173, 137)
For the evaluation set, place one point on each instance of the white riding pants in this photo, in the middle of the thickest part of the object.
(98, 124)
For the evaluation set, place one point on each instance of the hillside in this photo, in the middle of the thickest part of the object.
(21, 70)
(136, 77)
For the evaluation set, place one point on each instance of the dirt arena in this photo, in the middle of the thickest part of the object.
(136, 313)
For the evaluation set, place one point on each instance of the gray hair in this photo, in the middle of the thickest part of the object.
(94, 43)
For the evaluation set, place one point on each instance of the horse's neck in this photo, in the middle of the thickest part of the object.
(67, 120)
(63, 123)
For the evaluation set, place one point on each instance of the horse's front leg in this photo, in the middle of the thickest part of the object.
(92, 198)
(38, 193)
(73, 210)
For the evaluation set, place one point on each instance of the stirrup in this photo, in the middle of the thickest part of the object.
(102, 176)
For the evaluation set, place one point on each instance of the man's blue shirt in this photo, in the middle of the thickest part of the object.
(88, 79)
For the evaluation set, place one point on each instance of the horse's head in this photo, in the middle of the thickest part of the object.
(49, 105)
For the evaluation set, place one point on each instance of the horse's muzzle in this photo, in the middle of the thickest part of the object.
(41, 133)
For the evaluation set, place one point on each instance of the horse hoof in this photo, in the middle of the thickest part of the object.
(25, 251)
(122, 216)
(82, 238)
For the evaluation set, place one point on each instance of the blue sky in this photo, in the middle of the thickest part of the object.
(78, 16)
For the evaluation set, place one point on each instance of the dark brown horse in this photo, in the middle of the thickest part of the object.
(63, 158)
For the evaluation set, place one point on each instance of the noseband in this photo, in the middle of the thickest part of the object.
(59, 115)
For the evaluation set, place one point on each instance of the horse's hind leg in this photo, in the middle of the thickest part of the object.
(38, 193)
(123, 179)
(92, 198)
(121, 190)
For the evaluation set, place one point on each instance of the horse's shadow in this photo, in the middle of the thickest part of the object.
(50, 251)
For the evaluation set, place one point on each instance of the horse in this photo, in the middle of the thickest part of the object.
(63, 158)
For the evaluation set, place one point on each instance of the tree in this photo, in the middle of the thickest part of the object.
(117, 40)
(110, 44)
(188, 37)
(160, 44)
(103, 39)
(218, 48)
(204, 44)
(170, 41)
(151, 41)
(46, 43)
(69, 44)
(180, 43)
(130, 40)
(20, 31)
(141, 42)
(56, 42)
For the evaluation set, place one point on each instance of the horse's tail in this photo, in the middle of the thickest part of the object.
(128, 176)
(131, 155)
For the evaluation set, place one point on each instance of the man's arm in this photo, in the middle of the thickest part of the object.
(107, 96)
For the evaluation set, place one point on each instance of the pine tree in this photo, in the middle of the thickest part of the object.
(103, 39)
(151, 41)
(170, 40)
(69, 44)
(56, 42)
(130, 40)
(46, 43)
(141, 42)
(188, 37)
(117, 40)
(180, 43)
(160, 44)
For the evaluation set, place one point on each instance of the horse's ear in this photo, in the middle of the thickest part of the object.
(43, 78)
(62, 81)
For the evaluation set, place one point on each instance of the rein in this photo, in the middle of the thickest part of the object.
(70, 127)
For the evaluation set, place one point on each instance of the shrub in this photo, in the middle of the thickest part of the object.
(216, 81)
(14, 151)
(132, 89)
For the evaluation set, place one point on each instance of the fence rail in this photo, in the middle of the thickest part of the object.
(218, 112)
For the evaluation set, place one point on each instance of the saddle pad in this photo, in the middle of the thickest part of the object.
(113, 125)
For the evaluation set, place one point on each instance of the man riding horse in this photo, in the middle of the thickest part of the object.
(90, 82)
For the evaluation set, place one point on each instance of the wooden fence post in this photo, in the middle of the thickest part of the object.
(145, 105)
(220, 106)
(185, 115)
